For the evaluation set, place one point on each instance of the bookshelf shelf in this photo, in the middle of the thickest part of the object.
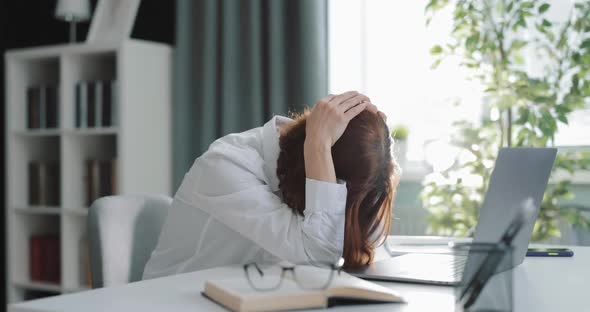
(94, 131)
(76, 211)
(38, 132)
(47, 210)
(34, 285)
(134, 136)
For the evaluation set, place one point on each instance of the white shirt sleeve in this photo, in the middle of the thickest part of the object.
(230, 190)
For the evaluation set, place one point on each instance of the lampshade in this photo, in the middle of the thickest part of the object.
(73, 10)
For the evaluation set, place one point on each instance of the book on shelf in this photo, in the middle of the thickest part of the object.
(91, 104)
(36, 258)
(110, 102)
(80, 110)
(33, 108)
(44, 258)
(51, 97)
(84, 263)
(42, 107)
(100, 179)
(44, 183)
(237, 294)
(95, 104)
(105, 99)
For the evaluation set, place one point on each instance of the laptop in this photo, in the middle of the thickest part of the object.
(519, 175)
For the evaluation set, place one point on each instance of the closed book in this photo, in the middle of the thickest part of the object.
(52, 184)
(114, 107)
(85, 276)
(36, 258)
(92, 181)
(43, 107)
(43, 183)
(114, 177)
(91, 104)
(81, 105)
(52, 267)
(33, 107)
(107, 100)
(78, 105)
(51, 107)
(105, 180)
(34, 187)
(98, 103)
(237, 294)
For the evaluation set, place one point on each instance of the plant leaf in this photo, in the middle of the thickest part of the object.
(543, 8)
(437, 49)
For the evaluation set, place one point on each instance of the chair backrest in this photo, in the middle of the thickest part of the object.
(123, 231)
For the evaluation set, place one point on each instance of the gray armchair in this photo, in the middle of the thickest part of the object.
(122, 233)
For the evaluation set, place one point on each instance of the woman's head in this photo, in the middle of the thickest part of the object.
(363, 159)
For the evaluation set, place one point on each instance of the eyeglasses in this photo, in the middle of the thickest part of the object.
(270, 277)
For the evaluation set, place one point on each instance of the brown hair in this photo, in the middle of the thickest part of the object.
(362, 157)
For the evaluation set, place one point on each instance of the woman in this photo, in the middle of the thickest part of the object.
(307, 191)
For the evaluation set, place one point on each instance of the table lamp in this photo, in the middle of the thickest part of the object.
(73, 11)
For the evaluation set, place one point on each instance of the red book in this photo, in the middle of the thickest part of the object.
(36, 258)
(52, 267)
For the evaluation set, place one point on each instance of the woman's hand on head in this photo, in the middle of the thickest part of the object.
(330, 116)
(325, 125)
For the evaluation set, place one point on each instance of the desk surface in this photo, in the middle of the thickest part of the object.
(541, 284)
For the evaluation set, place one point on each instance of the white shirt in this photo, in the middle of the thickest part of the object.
(228, 211)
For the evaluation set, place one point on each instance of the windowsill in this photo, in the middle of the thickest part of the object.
(416, 171)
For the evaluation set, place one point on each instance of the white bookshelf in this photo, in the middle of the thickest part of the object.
(140, 141)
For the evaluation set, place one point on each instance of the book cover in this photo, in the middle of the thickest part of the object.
(107, 98)
(114, 177)
(78, 105)
(81, 107)
(98, 103)
(90, 104)
(33, 107)
(44, 183)
(84, 263)
(34, 188)
(42, 179)
(36, 258)
(44, 258)
(52, 107)
(43, 107)
(52, 267)
(52, 184)
(105, 180)
(92, 181)
(114, 109)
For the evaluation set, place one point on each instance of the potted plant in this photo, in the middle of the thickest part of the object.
(525, 110)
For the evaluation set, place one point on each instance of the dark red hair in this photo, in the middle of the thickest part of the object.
(362, 157)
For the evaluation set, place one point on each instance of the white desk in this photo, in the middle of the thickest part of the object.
(541, 284)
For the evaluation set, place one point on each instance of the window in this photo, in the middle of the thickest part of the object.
(381, 48)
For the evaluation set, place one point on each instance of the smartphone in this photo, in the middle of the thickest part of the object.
(549, 252)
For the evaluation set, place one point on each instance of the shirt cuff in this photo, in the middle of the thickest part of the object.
(328, 197)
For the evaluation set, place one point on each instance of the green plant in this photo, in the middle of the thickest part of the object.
(488, 36)
(400, 132)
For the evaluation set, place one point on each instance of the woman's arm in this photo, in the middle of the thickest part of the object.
(324, 126)
(224, 182)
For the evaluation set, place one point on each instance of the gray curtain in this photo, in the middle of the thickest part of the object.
(238, 63)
